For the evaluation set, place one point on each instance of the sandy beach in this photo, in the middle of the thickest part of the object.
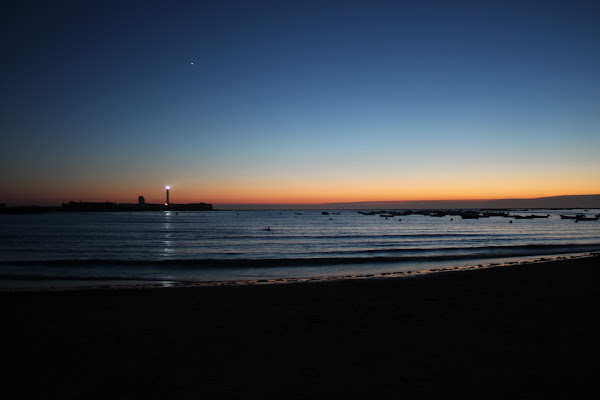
(522, 331)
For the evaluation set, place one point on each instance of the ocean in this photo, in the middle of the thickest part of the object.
(70, 249)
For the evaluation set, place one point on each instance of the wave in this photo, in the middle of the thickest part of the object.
(484, 252)
(351, 236)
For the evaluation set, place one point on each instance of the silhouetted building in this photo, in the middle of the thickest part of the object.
(108, 206)
(141, 200)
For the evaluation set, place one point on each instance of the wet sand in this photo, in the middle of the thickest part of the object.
(522, 331)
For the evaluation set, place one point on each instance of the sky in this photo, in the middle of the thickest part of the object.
(292, 102)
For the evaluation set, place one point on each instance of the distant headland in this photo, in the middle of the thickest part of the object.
(569, 201)
(555, 202)
(84, 206)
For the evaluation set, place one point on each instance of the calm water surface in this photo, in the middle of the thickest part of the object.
(229, 245)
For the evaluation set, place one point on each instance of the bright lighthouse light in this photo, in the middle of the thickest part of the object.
(167, 187)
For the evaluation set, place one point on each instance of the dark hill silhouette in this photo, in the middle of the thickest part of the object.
(577, 201)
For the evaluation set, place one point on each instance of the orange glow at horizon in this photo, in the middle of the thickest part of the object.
(339, 195)
(305, 197)
(387, 189)
(304, 190)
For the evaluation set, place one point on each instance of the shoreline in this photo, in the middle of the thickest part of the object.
(50, 284)
(517, 331)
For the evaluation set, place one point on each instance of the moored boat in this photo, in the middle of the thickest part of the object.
(584, 218)
(531, 216)
(470, 215)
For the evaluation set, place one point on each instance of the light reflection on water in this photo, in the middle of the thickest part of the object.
(168, 232)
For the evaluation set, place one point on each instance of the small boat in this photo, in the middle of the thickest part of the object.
(569, 216)
(584, 218)
(531, 216)
(437, 214)
(495, 214)
(470, 215)
(581, 217)
(368, 212)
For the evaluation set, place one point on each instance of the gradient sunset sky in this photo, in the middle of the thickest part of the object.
(298, 101)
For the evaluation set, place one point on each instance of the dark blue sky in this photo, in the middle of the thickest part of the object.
(299, 101)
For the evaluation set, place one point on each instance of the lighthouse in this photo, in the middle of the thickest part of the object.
(167, 202)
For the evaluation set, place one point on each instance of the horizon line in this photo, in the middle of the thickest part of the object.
(414, 201)
(365, 203)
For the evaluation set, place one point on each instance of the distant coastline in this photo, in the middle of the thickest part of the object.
(107, 206)
(591, 201)
(555, 202)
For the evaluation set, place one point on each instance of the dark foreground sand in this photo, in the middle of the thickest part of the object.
(521, 331)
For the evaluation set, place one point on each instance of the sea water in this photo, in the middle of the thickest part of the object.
(169, 247)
